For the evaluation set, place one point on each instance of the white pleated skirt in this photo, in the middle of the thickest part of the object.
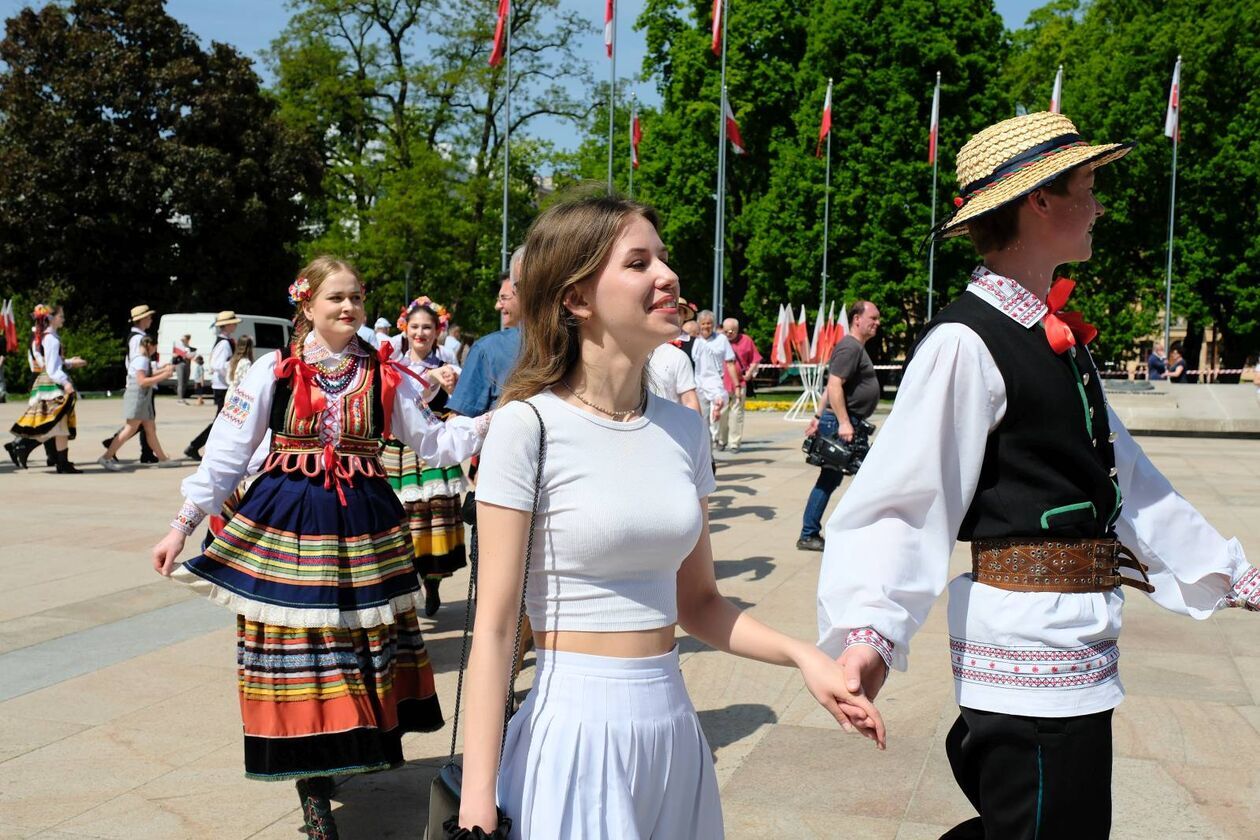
(606, 748)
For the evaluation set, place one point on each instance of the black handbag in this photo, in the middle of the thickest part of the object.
(444, 792)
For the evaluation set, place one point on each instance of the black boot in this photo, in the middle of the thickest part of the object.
(432, 601)
(20, 451)
(316, 807)
(12, 448)
(50, 452)
(63, 462)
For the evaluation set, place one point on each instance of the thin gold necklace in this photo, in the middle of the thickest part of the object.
(616, 415)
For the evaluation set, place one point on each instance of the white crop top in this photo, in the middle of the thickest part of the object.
(617, 514)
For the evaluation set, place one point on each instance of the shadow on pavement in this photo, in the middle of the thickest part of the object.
(758, 567)
(733, 723)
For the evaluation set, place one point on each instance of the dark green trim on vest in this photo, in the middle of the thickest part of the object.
(1089, 418)
(1045, 517)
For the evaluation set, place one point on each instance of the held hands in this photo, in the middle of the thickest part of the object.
(445, 376)
(165, 553)
(829, 682)
(864, 670)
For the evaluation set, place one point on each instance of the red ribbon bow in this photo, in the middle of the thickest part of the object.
(391, 377)
(307, 397)
(335, 473)
(1064, 329)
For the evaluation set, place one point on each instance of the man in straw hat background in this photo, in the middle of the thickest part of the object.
(1001, 436)
(141, 320)
(220, 357)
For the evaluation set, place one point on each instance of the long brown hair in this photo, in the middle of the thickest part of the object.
(315, 273)
(244, 349)
(568, 243)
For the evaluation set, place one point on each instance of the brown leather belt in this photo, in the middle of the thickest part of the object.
(1028, 564)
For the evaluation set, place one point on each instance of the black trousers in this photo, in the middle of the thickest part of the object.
(200, 440)
(1032, 778)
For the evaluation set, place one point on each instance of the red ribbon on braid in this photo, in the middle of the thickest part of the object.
(391, 377)
(307, 397)
(1064, 329)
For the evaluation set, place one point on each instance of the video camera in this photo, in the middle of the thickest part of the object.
(831, 453)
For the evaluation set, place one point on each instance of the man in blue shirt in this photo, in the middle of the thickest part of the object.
(1156, 366)
(492, 356)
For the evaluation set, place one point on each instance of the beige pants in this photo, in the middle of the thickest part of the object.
(730, 430)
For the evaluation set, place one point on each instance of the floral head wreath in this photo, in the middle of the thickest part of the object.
(443, 316)
(42, 310)
(300, 290)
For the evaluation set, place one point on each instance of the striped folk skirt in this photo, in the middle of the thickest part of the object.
(332, 668)
(431, 498)
(49, 412)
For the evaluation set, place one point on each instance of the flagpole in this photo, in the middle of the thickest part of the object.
(633, 114)
(1172, 209)
(612, 95)
(507, 136)
(719, 236)
(822, 305)
(936, 156)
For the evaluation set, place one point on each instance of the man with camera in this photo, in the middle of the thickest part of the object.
(851, 395)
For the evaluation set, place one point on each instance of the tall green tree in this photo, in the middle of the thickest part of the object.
(1118, 57)
(135, 165)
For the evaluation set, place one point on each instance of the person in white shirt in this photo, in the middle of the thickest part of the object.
(239, 365)
(50, 412)
(316, 561)
(452, 341)
(622, 557)
(141, 319)
(1001, 436)
(182, 356)
(670, 376)
(220, 358)
(712, 354)
(138, 403)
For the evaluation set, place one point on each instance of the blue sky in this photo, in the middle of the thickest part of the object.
(250, 26)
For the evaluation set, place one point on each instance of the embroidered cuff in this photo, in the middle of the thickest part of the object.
(482, 423)
(1246, 591)
(188, 518)
(871, 637)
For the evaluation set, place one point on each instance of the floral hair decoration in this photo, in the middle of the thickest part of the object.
(42, 310)
(300, 290)
(443, 316)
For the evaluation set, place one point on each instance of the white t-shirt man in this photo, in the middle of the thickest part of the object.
(711, 355)
(669, 373)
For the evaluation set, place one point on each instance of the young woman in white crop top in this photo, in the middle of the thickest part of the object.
(607, 744)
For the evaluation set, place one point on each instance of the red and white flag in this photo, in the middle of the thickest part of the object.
(9, 324)
(842, 324)
(800, 336)
(780, 352)
(825, 128)
(717, 26)
(1056, 96)
(500, 33)
(636, 136)
(732, 128)
(829, 334)
(934, 130)
(817, 345)
(608, 27)
(1172, 120)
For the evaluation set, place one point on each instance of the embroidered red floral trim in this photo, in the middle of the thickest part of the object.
(871, 637)
(1049, 668)
(1246, 592)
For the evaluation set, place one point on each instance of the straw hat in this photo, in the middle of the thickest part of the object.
(139, 313)
(685, 310)
(226, 317)
(1011, 159)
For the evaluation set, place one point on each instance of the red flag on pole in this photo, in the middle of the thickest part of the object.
(934, 130)
(825, 128)
(780, 354)
(816, 346)
(636, 136)
(800, 337)
(842, 325)
(732, 129)
(500, 33)
(1056, 96)
(717, 27)
(608, 27)
(1172, 119)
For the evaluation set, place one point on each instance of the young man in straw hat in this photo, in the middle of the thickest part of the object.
(141, 320)
(220, 357)
(1001, 437)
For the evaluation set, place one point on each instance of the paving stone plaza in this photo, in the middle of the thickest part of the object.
(119, 717)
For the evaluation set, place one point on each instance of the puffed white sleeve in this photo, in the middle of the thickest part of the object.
(448, 358)
(1195, 570)
(888, 542)
(237, 432)
(52, 360)
(439, 444)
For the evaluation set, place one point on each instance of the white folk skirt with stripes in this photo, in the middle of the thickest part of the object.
(606, 748)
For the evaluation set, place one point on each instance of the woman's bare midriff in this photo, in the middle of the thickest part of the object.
(625, 644)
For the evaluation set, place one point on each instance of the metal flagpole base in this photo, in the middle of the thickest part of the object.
(806, 405)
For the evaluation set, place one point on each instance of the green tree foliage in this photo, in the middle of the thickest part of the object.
(883, 57)
(1118, 57)
(410, 116)
(135, 166)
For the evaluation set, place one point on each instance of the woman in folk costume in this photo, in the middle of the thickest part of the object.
(429, 493)
(50, 411)
(1001, 436)
(317, 561)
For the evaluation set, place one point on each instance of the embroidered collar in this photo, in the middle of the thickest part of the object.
(313, 351)
(1007, 296)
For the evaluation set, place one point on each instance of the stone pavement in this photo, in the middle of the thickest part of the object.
(118, 715)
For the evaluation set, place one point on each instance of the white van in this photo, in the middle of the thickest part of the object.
(269, 334)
